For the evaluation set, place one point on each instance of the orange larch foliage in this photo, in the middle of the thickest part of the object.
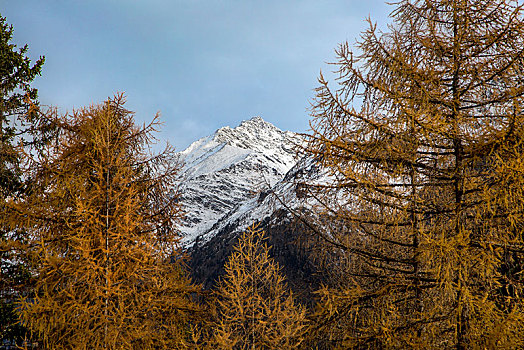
(103, 240)
(423, 143)
(254, 309)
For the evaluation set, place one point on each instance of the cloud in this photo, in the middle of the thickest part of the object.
(203, 63)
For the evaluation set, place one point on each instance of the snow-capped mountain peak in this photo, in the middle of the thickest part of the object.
(225, 169)
(254, 134)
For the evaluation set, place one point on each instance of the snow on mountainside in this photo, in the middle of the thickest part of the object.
(223, 172)
(274, 210)
(283, 195)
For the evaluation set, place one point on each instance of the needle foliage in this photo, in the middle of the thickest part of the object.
(103, 241)
(254, 309)
(422, 141)
(20, 125)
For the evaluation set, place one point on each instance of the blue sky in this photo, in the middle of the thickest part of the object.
(203, 64)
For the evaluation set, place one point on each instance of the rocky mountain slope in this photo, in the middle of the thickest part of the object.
(238, 177)
(226, 170)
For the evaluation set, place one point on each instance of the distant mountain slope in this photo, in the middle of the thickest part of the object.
(224, 171)
(282, 228)
(237, 177)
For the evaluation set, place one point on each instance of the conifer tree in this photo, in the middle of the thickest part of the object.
(422, 142)
(254, 309)
(102, 221)
(19, 124)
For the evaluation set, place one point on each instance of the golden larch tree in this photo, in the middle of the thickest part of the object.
(422, 145)
(254, 309)
(102, 221)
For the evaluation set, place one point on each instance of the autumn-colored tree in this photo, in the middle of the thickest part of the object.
(253, 308)
(422, 143)
(102, 221)
(19, 123)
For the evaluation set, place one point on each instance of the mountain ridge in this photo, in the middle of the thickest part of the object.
(226, 170)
